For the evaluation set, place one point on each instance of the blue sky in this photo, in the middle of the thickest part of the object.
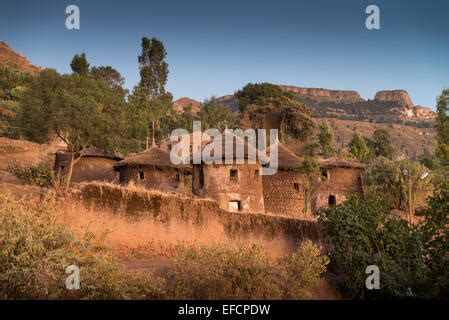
(216, 47)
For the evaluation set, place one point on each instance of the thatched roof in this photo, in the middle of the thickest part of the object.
(248, 149)
(89, 152)
(336, 162)
(287, 160)
(152, 156)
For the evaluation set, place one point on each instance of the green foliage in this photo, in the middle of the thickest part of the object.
(362, 234)
(228, 272)
(325, 139)
(40, 174)
(304, 269)
(436, 240)
(359, 149)
(259, 94)
(296, 120)
(79, 64)
(214, 115)
(411, 259)
(390, 179)
(35, 252)
(81, 110)
(442, 128)
(109, 74)
(153, 68)
(380, 144)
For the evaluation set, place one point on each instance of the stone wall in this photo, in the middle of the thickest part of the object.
(341, 182)
(153, 177)
(172, 218)
(284, 194)
(218, 185)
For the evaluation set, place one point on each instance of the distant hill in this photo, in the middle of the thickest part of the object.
(10, 58)
(180, 104)
(389, 106)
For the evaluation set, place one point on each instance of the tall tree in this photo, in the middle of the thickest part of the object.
(442, 128)
(358, 147)
(214, 115)
(325, 139)
(82, 111)
(112, 76)
(153, 68)
(380, 144)
(79, 64)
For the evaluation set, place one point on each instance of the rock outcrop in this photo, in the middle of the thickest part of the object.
(180, 104)
(399, 97)
(321, 95)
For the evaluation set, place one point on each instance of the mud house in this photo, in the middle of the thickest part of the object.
(339, 178)
(237, 187)
(153, 169)
(285, 191)
(91, 164)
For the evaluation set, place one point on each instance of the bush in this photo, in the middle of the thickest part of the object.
(411, 259)
(35, 252)
(227, 272)
(39, 174)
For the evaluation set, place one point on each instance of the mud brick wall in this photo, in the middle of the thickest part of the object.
(341, 182)
(172, 218)
(284, 194)
(219, 186)
(154, 178)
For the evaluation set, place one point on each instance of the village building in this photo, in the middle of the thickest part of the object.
(285, 192)
(339, 179)
(153, 169)
(90, 164)
(237, 187)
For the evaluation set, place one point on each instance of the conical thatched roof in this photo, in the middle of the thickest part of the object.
(152, 156)
(336, 162)
(287, 160)
(248, 150)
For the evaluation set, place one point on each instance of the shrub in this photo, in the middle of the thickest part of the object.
(411, 259)
(39, 174)
(228, 272)
(35, 252)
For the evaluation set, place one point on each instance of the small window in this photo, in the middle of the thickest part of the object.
(62, 168)
(178, 178)
(256, 174)
(296, 186)
(332, 200)
(141, 175)
(235, 206)
(325, 174)
(234, 175)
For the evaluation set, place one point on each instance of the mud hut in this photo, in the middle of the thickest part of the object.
(339, 178)
(236, 186)
(285, 191)
(153, 169)
(91, 164)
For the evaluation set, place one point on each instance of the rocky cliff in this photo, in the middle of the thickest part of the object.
(388, 106)
(399, 97)
(10, 58)
(320, 94)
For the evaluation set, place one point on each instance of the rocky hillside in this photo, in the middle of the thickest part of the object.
(389, 106)
(182, 103)
(10, 58)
